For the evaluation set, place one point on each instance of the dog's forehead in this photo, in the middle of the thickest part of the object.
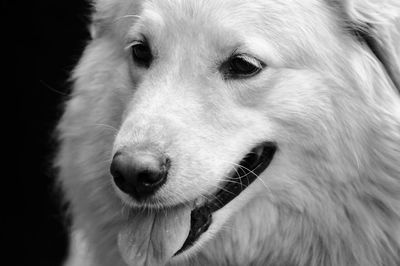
(193, 17)
(229, 21)
(231, 13)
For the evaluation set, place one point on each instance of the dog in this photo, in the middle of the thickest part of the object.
(216, 132)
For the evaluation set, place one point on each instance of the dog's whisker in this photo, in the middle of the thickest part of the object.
(106, 126)
(223, 189)
(126, 16)
(231, 180)
(249, 171)
(182, 199)
(207, 194)
(257, 176)
(53, 89)
(240, 180)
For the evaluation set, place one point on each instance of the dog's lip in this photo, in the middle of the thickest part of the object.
(253, 164)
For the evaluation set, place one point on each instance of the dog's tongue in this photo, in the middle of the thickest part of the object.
(152, 238)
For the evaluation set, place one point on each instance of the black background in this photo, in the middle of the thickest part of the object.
(44, 41)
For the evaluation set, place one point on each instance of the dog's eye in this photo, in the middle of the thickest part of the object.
(241, 66)
(141, 54)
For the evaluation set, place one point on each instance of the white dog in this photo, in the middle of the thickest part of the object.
(235, 132)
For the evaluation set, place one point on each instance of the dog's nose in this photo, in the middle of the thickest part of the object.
(139, 173)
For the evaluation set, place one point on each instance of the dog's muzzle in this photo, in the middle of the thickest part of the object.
(250, 167)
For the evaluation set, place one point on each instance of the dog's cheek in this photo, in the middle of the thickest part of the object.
(300, 104)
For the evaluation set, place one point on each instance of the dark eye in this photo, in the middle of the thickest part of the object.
(241, 66)
(141, 54)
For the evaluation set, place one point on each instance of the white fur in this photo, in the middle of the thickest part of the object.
(331, 195)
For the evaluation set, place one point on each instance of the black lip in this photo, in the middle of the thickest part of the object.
(250, 167)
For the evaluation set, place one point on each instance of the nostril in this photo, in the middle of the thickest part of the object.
(154, 177)
(150, 178)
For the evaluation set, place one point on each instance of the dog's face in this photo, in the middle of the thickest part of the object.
(212, 81)
(218, 93)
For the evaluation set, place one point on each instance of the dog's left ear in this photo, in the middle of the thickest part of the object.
(104, 12)
(108, 12)
(377, 22)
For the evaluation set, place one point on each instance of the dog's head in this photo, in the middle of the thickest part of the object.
(219, 102)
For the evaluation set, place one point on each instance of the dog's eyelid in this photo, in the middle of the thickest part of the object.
(250, 59)
(132, 43)
(136, 38)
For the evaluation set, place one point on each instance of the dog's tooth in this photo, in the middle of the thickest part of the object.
(195, 203)
(259, 150)
(198, 202)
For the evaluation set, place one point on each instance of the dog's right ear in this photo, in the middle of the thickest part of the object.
(377, 22)
(107, 12)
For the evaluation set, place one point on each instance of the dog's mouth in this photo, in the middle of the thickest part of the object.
(154, 237)
(252, 165)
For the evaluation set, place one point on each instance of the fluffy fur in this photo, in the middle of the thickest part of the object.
(330, 197)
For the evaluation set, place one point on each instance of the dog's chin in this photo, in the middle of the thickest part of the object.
(154, 236)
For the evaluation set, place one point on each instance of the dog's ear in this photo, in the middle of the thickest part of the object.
(107, 12)
(378, 25)
(103, 12)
